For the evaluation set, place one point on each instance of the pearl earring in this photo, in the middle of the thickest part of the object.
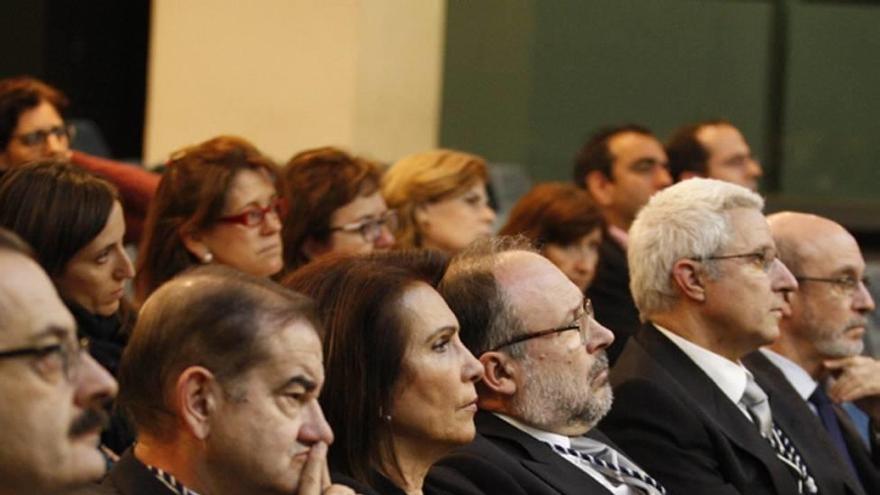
(207, 258)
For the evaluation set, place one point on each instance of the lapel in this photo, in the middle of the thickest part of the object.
(130, 477)
(803, 428)
(714, 406)
(537, 457)
(869, 472)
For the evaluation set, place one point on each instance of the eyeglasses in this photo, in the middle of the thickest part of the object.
(761, 259)
(40, 136)
(848, 284)
(370, 229)
(68, 353)
(256, 215)
(580, 323)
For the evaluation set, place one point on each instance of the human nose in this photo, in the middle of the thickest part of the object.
(314, 428)
(94, 386)
(782, 279)
(488, 214)
(385, 239)
(125, 268)
(600, 337)
(754, 168)
(662, 178)
(271, 222)
(472, 369)
(863, 301)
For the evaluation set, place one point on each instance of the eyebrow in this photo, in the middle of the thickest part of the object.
(52, 330)
(301, 380)
(441, 330)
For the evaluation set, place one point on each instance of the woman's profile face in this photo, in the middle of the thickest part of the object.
(578, 259)
(94, 278)
(434, 399)
(452, 223)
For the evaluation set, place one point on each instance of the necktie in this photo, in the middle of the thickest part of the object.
(615, 467)
(829, 420)
(755, 401)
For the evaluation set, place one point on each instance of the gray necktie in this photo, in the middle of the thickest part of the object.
(755, 401)
(610, 464)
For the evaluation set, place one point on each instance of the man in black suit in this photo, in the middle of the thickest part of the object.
(816, 364)
(705, 274)
(621, 167)
(221, 378)
(545, 383)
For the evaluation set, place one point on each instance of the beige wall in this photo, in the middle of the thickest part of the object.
(293, 74)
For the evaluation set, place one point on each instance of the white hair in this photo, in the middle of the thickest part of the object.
(688, 219)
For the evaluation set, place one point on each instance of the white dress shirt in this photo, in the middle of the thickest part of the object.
(798, 377)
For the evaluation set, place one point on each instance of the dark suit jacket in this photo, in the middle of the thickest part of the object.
(503, 459)
(611, 297)
(130, 477)
(827, 467)
(672, 419)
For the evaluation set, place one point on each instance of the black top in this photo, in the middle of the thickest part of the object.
(611, 297)
(381, 486)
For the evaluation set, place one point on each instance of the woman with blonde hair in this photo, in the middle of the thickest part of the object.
(441, 200)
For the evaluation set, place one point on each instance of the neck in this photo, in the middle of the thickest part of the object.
(176, 458)
(809, 361)
(415, 456)
(620, 221)
(692, 326)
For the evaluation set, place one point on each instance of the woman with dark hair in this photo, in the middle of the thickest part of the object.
(74, 223)
(564, 222)
(338, 205)
(217, 202)
(399, 384)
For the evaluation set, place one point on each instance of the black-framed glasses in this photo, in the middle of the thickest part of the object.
(68, 353)
(256, 215)
(580, 323)
(370, 229)
(761, 259)
(40, 136)
(849, 284)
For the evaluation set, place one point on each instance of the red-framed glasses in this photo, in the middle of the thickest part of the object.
(256, 215)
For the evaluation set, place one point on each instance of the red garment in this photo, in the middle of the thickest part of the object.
(136, 188)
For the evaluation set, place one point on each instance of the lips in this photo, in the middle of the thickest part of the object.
(470, 405)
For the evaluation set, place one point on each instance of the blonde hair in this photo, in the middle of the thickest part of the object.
(426, 177)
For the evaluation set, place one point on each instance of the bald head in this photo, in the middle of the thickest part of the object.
(804, 239)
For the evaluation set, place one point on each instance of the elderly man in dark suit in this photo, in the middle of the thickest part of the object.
(545, 383)
(816, 364)
(706, 278)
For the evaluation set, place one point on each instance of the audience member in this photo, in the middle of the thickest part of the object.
(815, 363)
(53, 391)
(339, 207)
(563, 222)
(706, 277)
(546, 379)
(217, 202)
(441, 199)
(621, 167)
(221, 378)
(75, 223)
(399, 390)
(714, 149)
(32, 128)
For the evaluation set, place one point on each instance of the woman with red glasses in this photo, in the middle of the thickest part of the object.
(217, 202)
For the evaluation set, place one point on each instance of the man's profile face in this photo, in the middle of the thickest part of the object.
(36, 137)
(269, 418)
(52, 415)
(729, 157)
(638, 171)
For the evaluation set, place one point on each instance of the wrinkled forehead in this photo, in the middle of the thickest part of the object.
(29, 303)
(749, 231)
(534, 285)
(292, 349)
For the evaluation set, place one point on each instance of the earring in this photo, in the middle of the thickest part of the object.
(207, 258)
(384, 417)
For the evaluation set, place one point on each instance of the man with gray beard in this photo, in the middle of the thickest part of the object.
(545, 385)
(815, 365)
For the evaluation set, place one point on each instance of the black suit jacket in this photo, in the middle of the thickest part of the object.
(130, 477)
(672, 419)
(612, 300)
(804, 428)
(503, 459)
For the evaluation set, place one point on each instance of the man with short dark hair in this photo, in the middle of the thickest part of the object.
(221, 378)
(52, 391)
(621, 167)
(714, 149)
(545, 385)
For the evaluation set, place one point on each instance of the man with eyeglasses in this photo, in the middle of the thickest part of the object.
(52, 391)
(816, 363)
(714, 149)
(711, 290)
(545, 385)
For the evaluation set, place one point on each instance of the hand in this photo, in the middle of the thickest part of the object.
(315, 477)
(857, 380)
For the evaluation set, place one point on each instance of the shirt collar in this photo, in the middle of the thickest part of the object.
(542, 435)
(798, 377)
(170, 481)
(729, 376)
(619, 235)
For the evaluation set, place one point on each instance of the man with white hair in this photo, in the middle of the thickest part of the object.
(816, 364)
(707, 281)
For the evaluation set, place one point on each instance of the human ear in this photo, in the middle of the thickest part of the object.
(689, 277)
(600, 187)
(500, 374)
(195, 394)
(194, 243)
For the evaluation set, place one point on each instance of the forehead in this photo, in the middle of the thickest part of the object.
(292, 349)
(29, 301)
(112, 232)
(830, 250)
(361, 207)
(749, 230)
(38, 117)
(628, 146)
(249, 186)
(425, 311)
(721, 138)
(536, 288)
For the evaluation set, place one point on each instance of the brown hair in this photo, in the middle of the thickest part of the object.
(553, 212)
(211, 316)
(191, 196)
(595, 155)
(20, 94)
(11, 242)
(366, 338)
(426, 177)
(317, 183)
(686, 153)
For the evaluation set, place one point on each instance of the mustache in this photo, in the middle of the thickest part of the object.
(600, 365)
(90, 420)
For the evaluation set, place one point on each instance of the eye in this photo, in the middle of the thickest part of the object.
(441, 345)
(50, 362)
(103, 257)
(253, 216)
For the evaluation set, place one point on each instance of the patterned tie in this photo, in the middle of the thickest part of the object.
(829, 420)
(755, 401)
(616, 468)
